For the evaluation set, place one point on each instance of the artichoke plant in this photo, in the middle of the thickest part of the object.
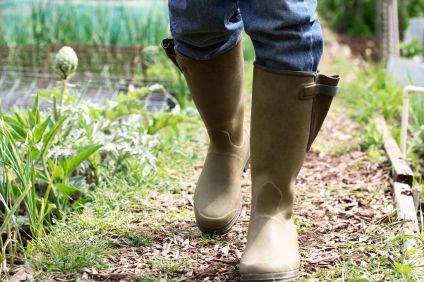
(66, 62)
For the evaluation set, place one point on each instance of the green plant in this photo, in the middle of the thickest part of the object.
(35, 187)
(373, 92)
(412, 49)
(49, 21)
(69, 248)
(66, 62)
(358, 17)
(416, 141)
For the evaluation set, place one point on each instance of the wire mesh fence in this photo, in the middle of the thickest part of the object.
(123, 60)
(18, 87)
(103, 73)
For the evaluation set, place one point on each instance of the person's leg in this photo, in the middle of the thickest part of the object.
(286, 34)
(290, 101)
(210, 55)
(204, 29)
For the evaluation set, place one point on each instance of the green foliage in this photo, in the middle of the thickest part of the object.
(358, 17)
(70, 22)
(34, 186)
(116, 203)
(248, 49)
(48, 165)
(69, 248)
(412, 49)
(373, 92)
(409, 9)
(161, 68)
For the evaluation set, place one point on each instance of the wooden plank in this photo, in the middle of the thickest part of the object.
(416, 194)
(402, 172)
(407, 213)
(405, 202)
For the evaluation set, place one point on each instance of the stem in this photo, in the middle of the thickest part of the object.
(62, 92)
(55, 114)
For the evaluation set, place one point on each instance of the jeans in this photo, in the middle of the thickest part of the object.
(286, 34)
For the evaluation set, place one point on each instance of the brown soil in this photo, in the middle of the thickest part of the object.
(340, 193)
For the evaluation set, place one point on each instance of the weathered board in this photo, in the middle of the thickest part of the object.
(402, 172)
(405, 203)
(402, 192)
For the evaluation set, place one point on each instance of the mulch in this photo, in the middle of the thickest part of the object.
(340, 195)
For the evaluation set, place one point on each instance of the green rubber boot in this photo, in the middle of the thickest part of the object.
(288, 109)
(216, 87)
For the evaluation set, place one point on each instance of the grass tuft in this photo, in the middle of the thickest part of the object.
(68, 249)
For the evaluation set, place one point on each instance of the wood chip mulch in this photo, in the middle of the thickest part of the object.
(340, 195)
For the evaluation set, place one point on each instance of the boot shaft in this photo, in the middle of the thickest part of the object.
(288, 109)
(216, 86)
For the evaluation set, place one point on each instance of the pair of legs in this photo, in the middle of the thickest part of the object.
(290, 102)
(286, 34)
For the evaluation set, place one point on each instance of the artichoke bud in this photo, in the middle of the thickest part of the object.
(66, 62)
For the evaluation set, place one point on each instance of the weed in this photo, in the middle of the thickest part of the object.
(68, 249)
(166, 267)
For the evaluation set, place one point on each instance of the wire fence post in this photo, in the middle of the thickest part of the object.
(387, 28)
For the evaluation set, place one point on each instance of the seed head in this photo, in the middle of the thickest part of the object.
(66, 62)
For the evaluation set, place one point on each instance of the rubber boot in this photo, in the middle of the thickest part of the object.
(288, 109)
(216, 86)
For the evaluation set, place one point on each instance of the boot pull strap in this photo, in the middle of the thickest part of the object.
(324, 85)
(169, 46)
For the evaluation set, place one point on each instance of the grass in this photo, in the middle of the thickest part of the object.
(369, 90)
(68, 249)
(168, 267)
(28, 37)
(110, 213)
(384, 263)
(106, 220)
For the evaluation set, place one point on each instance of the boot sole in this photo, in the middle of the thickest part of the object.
(280, 277)
(223, 230)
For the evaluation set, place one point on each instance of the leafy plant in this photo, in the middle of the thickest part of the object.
(51, 159)
(34, 186)
(358, 17)
(412, 49)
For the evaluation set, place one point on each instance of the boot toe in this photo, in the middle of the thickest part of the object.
(272, 251)
(215, 221)
(271, 264)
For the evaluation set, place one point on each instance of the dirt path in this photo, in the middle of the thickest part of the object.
(342, 201)
(342, 193)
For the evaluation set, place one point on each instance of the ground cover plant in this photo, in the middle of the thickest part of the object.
(52, 159)
(105, 192)
(372, 92)
(139, 225)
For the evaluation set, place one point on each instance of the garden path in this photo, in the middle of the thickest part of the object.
(343, 196)
(343, 199)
